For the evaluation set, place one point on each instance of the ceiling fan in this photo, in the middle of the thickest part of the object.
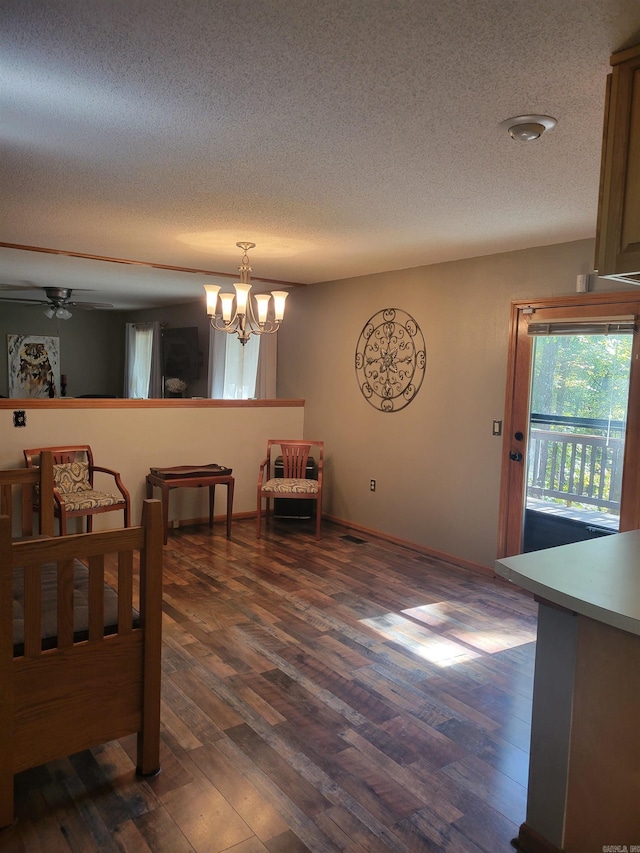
(57, 303)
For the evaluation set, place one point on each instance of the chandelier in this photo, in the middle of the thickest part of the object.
(247, 319)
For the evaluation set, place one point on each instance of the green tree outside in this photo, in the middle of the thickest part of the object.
(580, 376)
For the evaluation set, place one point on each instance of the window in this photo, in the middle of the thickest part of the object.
(142, 362)
(241, 369)
(233, 368)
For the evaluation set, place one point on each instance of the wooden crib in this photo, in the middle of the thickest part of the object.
(95, 675)
(17, 487)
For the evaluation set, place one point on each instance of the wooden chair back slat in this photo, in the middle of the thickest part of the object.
(294, 460)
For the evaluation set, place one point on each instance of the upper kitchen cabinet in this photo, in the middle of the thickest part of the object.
(618, 235)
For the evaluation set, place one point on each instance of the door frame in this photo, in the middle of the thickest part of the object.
(578, 306)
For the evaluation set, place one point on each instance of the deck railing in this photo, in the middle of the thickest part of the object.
(576, 468)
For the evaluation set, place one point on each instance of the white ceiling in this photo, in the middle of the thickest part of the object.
(344, 137)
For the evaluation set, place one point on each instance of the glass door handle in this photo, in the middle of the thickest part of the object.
(516, 457)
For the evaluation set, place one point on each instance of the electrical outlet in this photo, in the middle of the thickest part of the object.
(175, 523)
(372, 485)
(20, 418)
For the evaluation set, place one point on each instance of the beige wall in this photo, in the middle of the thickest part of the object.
(436, 462)
(136, 436)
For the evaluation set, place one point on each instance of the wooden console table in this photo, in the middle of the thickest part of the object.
(191, 477)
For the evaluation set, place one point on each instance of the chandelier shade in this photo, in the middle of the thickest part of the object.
(242, 313)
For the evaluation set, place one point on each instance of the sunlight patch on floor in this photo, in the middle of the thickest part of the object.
(419, 640)
(501, 635)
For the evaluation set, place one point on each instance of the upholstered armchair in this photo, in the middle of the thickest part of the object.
(293, 482)
(74, 492)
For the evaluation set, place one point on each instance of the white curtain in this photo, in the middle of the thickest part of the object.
(267, 364)
(155, 379)
(143, 364)
(217, 349)
(239, 372)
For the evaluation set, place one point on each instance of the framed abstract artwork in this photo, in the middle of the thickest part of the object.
(34, 366)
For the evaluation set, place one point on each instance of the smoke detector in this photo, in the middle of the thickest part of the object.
(527, 128)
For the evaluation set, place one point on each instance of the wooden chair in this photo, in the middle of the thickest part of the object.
(294, 483)
(74, 493)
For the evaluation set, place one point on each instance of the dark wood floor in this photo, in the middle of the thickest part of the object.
(317, 696)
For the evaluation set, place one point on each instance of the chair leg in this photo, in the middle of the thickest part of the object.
(318, 517)
(259, 516)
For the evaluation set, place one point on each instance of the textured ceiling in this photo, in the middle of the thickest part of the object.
(344, 137)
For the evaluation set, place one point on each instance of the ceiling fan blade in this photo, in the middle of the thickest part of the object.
(24, 301)
(89, 305)
(25, 285)
(55, 302)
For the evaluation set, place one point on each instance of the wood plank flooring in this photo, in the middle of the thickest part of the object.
(323, 696)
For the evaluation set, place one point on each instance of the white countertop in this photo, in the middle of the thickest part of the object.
(599, 578)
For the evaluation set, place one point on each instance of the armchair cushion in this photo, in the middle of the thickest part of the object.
(88, 499)
(291, 487)
(76, 492)
(72, 477)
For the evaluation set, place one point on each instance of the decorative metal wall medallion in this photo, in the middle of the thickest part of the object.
(391, 357)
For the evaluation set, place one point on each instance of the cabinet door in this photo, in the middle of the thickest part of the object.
(618, 243)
